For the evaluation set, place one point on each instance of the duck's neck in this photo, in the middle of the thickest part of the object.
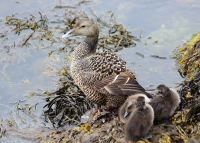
(85, 48)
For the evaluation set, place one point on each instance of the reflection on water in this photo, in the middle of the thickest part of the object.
(164, 25)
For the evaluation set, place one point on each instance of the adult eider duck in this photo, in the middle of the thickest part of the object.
(103, 77)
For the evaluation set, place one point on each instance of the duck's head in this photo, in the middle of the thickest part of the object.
(84, 27)
(163, 91)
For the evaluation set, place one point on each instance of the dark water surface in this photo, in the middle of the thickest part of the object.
(170, 23)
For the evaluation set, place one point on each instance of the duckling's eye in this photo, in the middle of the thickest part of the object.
(83, 26)
(129, 107)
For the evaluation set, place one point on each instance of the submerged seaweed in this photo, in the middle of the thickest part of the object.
(36, 25)
(117, 38)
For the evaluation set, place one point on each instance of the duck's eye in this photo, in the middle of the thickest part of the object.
(83, 26)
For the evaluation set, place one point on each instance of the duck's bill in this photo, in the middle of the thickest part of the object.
(70, 33)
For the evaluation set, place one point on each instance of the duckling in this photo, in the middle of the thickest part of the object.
(129, 105)
(165, 102)
(139, 121)
(103, 77)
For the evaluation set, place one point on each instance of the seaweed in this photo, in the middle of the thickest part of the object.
(32, 24)
(118, 37)
(188, 57)
(188, 115)
(69, 103)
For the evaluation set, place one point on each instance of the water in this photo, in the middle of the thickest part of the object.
(170, 23)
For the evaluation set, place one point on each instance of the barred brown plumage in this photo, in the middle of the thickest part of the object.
(103, 77)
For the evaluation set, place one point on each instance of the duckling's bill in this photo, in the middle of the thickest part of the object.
(126, 114)
(70, 33)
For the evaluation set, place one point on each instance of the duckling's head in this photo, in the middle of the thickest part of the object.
(129, 107)
(132, 103)
(84, 27)
(163, 91)
(140, 101)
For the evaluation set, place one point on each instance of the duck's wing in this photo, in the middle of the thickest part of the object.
(105, 64)
(110, 75)
(122, 84)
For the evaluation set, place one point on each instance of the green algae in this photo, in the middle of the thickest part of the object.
(188, 57)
